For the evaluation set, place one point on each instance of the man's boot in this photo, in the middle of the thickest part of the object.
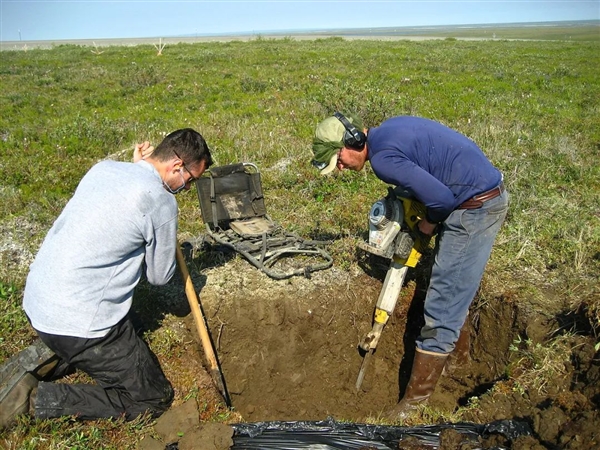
(426, 370)
(37, 359)
(17, 400)
(460, 356)
(19, 375)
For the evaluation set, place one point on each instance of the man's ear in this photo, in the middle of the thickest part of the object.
(175, 164)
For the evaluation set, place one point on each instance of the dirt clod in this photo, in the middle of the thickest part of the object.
(177, 422)
(452, 439)
(149, 443)
(412, 443)
(208, 436)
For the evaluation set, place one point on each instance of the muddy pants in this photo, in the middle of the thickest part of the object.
(129, 380)
(463, 248)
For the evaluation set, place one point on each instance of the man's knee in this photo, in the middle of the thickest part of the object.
(162, 401)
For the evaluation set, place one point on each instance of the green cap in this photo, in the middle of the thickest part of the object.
(327, 142)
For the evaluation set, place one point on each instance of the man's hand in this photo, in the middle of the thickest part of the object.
(142, 151)
(427, 228)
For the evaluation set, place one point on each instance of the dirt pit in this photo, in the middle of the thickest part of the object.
(289, 349)
(288, 352)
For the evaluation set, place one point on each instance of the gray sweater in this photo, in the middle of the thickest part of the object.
(82, 280)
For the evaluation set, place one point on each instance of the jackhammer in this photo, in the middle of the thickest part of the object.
(393, 235)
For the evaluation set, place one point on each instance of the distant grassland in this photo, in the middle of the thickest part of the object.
(532, 106)
(587, 33)
(559, 33)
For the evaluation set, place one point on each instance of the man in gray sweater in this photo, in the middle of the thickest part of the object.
(121, 220)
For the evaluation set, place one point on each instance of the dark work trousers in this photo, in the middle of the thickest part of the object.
(129, 380)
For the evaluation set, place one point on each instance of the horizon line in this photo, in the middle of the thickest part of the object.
(317, 30)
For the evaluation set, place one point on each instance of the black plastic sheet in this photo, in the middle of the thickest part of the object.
(332, 435)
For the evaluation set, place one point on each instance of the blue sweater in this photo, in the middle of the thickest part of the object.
(119, 220)
(439, 166)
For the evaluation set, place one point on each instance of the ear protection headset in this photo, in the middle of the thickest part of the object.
(353, 138)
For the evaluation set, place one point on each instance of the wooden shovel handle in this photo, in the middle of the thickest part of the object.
(194, 302)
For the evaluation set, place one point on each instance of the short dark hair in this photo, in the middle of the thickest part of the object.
(188, 144)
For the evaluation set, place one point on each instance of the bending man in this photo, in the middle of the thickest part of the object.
(466, 201)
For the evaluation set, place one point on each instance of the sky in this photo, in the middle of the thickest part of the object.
(26, 20)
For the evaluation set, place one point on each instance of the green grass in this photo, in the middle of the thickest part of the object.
(67, 433)
(533, 107)
(13, 322)
(588, 30)
(516, 31)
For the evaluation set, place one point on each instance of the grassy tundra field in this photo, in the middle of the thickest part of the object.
(532, 106)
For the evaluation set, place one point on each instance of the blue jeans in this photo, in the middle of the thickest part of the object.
(463, 248)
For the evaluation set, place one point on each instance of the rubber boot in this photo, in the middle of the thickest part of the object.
(32, 397)
(460, 356)
(37, 359)
(19, 375)
(426, 370)
(16, 401)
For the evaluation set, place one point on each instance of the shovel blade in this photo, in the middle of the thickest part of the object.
(219, 381)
